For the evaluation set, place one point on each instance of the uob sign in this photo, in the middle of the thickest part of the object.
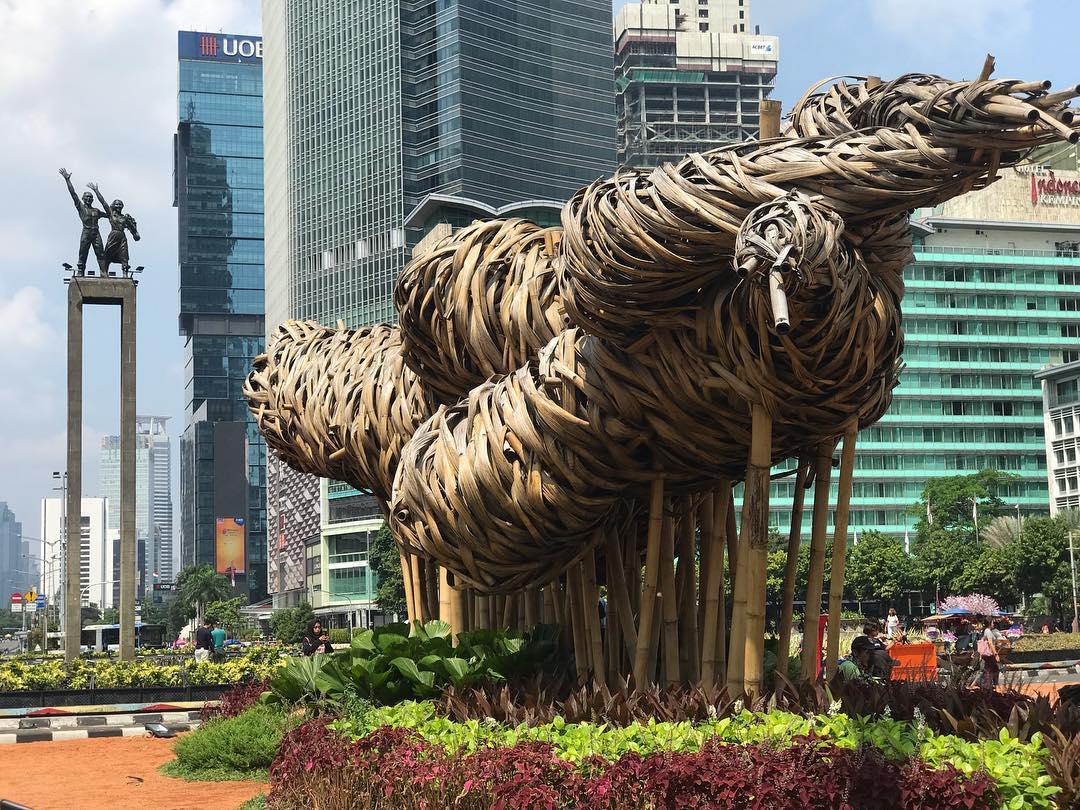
(220, 47)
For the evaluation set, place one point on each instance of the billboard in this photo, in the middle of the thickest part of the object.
(229, 545)
(219, 47)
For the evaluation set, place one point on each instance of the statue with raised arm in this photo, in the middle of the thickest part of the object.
(89, 215)
(116, 246)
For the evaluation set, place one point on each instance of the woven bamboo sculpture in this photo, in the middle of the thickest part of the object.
(564, 406)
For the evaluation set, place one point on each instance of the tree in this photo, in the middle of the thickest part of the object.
(1000, 531)
(990, 571)
(1040, 556)
(198, 585)
(288, 624)
(385, 563)
(226, 614)
(954, 499)
(940, 556)
(877, 568)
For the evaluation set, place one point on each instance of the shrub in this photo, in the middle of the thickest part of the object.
(340, 635)
(395, 768)
(287, 625)
(1049, 642)
(247, 742)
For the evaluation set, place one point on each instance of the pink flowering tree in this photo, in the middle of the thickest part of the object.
(977, 603)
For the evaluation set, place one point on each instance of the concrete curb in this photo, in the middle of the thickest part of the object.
(49, 735)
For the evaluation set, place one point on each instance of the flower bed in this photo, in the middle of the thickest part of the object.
(1017, 769)
(398, 768)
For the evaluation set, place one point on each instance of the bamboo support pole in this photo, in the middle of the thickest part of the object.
(483, 611)
(726, 520)
(530, 608)
(705, 507)
(548, 605)
(591, 609)
(669, 602)
(648, 591)
(410, 591)
(770, 119)
(819, 525)
(431, 587)
(687, 586)
(619, 594)
(418, 588)
(444, 599)
(582, 649)
(756, 520)
(736, 669)
(714, 513)
(836, 577)
(783, 645)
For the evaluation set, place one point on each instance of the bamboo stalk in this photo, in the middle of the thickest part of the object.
(529, 608)
(770, 119)
(483, 612)
(548, 605)
(418, 592)
(582, 649)
(669, 602)
(686, 583)
(783, 645)
(444, 599)
(725, 517)
(410, 591)
(431, 588)
(819, 525)
(712, 580)
(736, 669)
(591, 609)
(619, 595)
(756, 520)
(706, 509)
(648, 591)
(836, 580)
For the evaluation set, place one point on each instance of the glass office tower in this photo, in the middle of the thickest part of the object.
(388, 121)
(219, 198)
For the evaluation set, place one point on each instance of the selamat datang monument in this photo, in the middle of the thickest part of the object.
(563, 407)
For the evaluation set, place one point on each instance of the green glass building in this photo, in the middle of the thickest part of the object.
(992, 296)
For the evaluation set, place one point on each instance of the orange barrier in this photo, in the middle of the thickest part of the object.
(918, 662)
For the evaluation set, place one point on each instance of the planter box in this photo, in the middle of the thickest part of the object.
(110, 696)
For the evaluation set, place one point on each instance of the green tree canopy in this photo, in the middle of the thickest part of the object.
(877, 568)
(288, 624)
(226, 614)
(1040, 558)
(953, 500)
(197, 586)
(386, 565)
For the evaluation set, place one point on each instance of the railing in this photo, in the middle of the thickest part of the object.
(972, 251)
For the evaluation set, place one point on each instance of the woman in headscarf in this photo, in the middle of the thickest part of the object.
(315, 639)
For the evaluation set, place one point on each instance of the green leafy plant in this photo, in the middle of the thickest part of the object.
(389, 663)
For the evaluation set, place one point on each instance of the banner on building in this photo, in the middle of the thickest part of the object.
(229, 545)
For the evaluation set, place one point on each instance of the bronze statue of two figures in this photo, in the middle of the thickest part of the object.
(115, 249)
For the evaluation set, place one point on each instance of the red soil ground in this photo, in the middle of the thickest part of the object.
(96, 773)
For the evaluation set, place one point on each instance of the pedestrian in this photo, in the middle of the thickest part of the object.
(892, 624)
(204, 642)
(856, 666)
(989, 654)
(217, 637)
(315, 639)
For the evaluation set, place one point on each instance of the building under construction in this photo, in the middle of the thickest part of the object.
(690, 75)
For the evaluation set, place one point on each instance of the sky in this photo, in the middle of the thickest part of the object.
(90, 85)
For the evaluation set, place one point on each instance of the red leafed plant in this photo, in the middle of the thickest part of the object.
(394, 768)
(234, 701)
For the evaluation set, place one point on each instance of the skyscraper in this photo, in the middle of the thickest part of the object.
(18, 567)
(390, 120)
(690, 75)
(219, 201)
(153, 497)
(98, 563)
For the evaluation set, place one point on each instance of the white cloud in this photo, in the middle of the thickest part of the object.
(24, 333)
